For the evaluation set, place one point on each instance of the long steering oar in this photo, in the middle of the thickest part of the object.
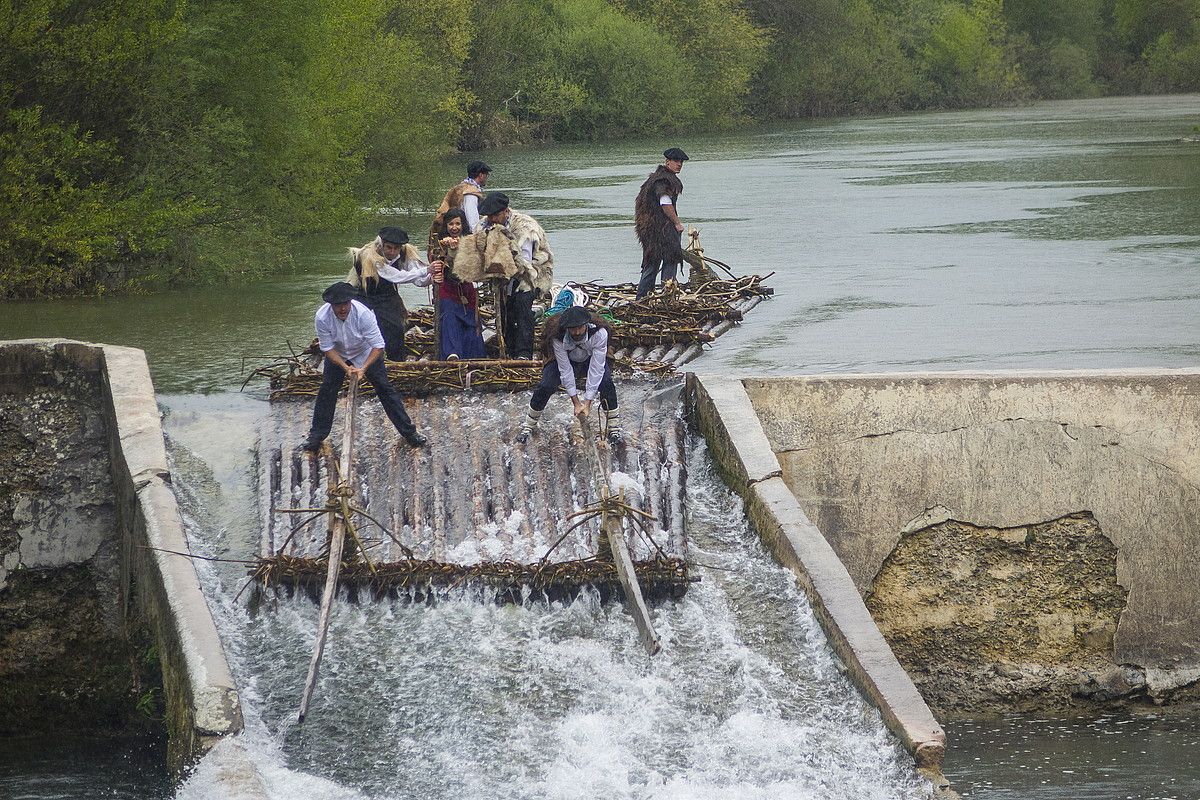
(337, 535)
(610, 528)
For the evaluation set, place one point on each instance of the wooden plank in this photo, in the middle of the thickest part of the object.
(337, 537)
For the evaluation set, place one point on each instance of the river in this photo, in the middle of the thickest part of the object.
(1059, 235)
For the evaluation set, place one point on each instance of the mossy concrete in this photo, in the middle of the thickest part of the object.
(92, 605)
(874, 458)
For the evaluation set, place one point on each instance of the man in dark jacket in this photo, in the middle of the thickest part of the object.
(657, 223)
(379, 267)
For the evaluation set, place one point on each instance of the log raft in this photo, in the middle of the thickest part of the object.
(476, 510)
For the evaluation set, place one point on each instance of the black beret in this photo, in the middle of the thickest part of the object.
(339, 292)
(674, 154)
(493, 203)
(575, 316)
(476, 167)
(393, 235)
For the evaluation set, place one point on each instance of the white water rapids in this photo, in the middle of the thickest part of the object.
(466, 698)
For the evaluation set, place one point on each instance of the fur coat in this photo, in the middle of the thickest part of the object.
(380, 295)
(540, 274)
(485, 255)
(496, 253)
(453, 199)
(654, 228)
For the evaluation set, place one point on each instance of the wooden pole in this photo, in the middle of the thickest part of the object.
(501, 315)
(610, 528)
(435, 289)
(337, 537)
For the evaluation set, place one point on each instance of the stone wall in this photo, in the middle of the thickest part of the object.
(1030, 534)
(91, 605)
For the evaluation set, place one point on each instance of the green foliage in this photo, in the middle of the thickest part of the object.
(855, 64)
(1174, 66)
(149, 142)
(964, 57)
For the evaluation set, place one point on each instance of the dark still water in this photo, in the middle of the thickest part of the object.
(73, 768)
(1148, 756)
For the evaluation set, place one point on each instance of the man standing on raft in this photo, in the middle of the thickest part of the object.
(350, 340)
(657, 223)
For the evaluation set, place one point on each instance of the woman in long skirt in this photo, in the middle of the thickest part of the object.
(460, 335)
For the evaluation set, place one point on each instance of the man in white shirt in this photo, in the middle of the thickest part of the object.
(349, 338)
(577, 350)
(657, 223)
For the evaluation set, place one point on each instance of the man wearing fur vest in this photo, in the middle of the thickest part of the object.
(657, 223)
(379, 267)
(466, 195)
(534, 269)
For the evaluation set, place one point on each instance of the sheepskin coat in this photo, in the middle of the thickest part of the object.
(654, 228)
(495, 252)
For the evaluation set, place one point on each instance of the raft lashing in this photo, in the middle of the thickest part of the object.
(474, 509)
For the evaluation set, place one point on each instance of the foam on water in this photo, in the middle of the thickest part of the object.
(469, 698)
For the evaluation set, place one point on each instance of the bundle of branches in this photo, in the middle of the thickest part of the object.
(653, 335)
(661, 575)
(727, 291)
(295, 378)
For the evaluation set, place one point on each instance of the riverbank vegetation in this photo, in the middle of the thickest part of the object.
(150, 142)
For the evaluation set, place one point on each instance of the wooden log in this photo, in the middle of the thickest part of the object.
(337, 536)
(676, 480)
(610, 526)
(688, 355)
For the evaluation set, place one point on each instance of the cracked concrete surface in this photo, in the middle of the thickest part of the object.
(866, 456)
(84, 501)
(1009, 618)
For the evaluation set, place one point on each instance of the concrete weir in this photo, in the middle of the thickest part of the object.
(721, 409)
(1021, 539)
(87, 588)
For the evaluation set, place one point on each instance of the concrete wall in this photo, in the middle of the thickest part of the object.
(86, 500)
(1056, 482)
(721, 409)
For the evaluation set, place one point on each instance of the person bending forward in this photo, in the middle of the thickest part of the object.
(349, 338)
(576, 347)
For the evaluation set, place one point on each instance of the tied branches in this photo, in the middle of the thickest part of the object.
(669, 575)
(291, 377)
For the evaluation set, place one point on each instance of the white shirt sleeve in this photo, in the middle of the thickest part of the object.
(413, 271)
(470, 207)
(324, 328)
(368, 328)
(599, 342)
(664, 200)
(565, 373)
(527, 251)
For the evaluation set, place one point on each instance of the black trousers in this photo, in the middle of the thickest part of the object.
(551, 382)
(518, 324)
(331, 384)
(656, 258)
(393, 340)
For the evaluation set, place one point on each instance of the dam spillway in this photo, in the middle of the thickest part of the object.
(540, 699)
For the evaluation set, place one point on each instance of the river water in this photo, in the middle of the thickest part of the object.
(1062, 234)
